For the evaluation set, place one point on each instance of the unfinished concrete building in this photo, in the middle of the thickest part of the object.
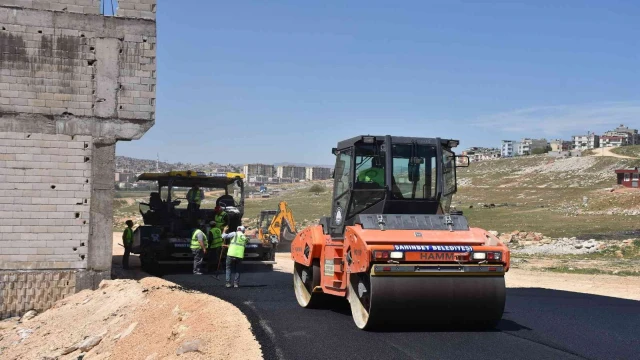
(317, 173)
(72, 83)
(291, 172)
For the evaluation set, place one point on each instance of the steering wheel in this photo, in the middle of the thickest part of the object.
(371, 173)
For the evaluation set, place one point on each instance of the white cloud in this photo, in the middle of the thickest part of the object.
(558, 120)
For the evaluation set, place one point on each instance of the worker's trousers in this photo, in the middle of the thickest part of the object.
(194, 210)
(214, 258)
(233, 264)
(125, 257)
(198, 260)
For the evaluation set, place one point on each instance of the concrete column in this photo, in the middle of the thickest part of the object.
(107, 73)
(102, 191)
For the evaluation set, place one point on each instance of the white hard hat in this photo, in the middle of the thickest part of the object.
(240, 228)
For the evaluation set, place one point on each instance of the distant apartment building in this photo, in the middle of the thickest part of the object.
(259, 180)
(509, 148)
(613, 141)
(585, 142)
(122, 177)
(631, 136)
(476, 154)
(317, 173)
(291, 172)
(560, 145)
(527, 146)
(258, 170)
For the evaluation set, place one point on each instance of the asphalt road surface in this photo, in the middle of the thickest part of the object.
(537, 324)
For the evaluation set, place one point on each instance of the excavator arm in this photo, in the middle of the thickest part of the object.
(283, 225)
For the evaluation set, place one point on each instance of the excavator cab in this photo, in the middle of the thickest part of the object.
(266, 217)
(391, 175)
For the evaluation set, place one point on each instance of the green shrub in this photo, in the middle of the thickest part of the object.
(317, 188)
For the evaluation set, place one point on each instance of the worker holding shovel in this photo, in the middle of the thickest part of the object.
(215, 246)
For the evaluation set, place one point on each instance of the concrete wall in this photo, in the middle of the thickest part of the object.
(145, 9)
(54, 63)
(75, 6)
(45, 193)
(72, 83)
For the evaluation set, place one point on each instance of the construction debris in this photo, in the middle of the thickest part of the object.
(530, 243)
(118, 320)
(188, 346)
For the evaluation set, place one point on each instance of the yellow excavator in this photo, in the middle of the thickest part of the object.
(278, 224)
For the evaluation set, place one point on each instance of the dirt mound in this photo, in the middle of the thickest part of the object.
(128, 319)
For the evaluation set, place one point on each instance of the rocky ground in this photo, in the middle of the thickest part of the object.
(534, 251)
(522, 242)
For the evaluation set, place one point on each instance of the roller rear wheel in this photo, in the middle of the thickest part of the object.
(305, 279)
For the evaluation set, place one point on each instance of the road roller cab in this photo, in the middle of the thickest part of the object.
(392, 246)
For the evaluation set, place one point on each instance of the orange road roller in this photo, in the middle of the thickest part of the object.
(393, 248)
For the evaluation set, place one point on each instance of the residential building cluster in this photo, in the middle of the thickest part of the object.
(620, 136)
(259, 174)
(476, 154)
(526, 146)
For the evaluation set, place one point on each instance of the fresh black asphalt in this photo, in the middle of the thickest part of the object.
(537, 324)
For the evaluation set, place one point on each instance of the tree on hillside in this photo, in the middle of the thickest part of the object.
(538, 151)
(317, 189)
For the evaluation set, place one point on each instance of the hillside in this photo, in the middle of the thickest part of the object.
(534, 193)
(129, 164)
(632, 151)
(557, 197)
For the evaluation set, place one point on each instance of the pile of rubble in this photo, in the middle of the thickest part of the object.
(463, 181)
(529, 243)
(522, 237)
(614, 211)
(127, 319)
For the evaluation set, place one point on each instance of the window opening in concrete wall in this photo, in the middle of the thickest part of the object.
(108, 7)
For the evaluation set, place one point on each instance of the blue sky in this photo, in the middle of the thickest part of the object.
(256, 81)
